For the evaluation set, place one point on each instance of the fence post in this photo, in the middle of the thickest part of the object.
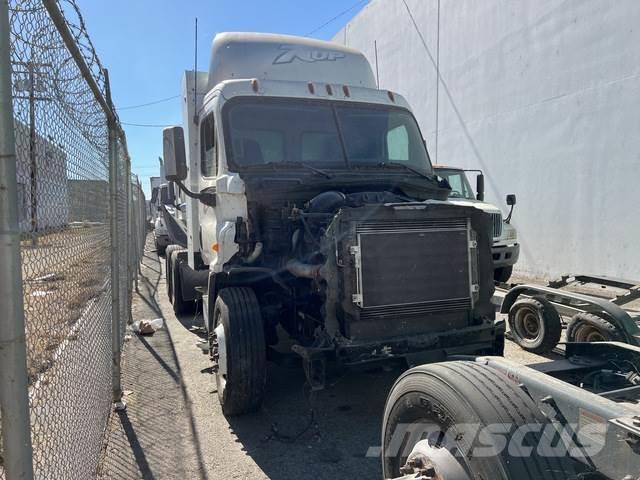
(14, 397)
(134, 230)
(115, 273)
(127, 223)
(142, 227)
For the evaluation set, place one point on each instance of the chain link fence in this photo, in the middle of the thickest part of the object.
(81, 220)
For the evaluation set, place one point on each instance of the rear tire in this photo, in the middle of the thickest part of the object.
(167, 268)
(160, 250)
(239, 350)
(589, 327)
(535, 325)
(502, 274)
(440, 402)
(180, 306)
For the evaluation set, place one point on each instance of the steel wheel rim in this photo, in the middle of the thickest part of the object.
(527, 324)
(587, 333)
(219, 353)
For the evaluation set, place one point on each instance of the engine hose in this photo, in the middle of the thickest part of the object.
(257, 251)
(303, 270)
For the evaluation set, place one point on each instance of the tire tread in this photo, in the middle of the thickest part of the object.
(245, 348)
(493, 399)
(550, 318)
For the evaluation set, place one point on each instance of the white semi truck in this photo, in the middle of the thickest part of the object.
(314, 223)
(506, 249)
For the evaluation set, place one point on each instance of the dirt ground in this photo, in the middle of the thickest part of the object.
(173, 426)
(63, 275)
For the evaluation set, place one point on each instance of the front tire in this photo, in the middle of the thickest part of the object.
(239, 350)
(454, 406)
(502, 274)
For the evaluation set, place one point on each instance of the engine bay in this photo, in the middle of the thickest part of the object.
(321, 261)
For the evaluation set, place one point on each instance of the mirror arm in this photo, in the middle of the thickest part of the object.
(207, 196)
(508, 219)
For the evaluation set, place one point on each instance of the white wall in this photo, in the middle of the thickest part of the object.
(543, 95)
(52, 198)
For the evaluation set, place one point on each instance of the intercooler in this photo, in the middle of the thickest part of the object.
(418, 267)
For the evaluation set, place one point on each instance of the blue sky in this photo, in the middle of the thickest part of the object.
(147, 44)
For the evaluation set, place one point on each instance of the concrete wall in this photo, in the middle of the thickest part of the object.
(543, 96)
(88, 200)
(52, 202)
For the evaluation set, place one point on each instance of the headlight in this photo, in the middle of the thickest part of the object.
(509, 233)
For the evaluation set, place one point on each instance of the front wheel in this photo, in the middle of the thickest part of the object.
(502, 274)
(466, 421)
(238, 350)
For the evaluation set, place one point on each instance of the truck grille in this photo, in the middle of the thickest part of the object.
(413, 267)
(496, 219)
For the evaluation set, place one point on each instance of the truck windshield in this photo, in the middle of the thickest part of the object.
(322, 134)
(460, 187)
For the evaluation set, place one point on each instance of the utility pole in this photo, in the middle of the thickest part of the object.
(33, 159)
(33, 85)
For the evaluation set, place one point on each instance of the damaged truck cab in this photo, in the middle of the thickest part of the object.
(315, 224)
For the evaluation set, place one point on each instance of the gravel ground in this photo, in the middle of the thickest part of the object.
(174, 428)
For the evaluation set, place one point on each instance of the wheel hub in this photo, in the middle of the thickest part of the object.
(531, 325)
(527, 324)
(589, 334)
(429, 462)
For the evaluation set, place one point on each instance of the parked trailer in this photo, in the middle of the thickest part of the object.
(535, 313)
(490, 418)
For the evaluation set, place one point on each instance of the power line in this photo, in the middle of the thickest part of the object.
(333, 19)
(149, 103)
(336, 17)
(150, 125)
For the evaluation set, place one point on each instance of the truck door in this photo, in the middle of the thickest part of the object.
(208, 172)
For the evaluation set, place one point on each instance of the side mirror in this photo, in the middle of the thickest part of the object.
(175, 163)
(480, 187)
(511, 201)
(171, 193)
(165, 197)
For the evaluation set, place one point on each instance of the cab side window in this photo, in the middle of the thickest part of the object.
(208, 164)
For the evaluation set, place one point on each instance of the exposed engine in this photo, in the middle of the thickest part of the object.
(353, 267)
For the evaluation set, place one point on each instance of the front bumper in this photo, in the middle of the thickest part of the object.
(505, 255)
(416, 349)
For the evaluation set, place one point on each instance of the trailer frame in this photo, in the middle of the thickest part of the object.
(569, 303)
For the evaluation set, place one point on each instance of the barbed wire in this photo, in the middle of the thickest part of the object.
(75, 22)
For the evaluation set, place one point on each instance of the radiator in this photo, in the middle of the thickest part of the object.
(411, 268)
